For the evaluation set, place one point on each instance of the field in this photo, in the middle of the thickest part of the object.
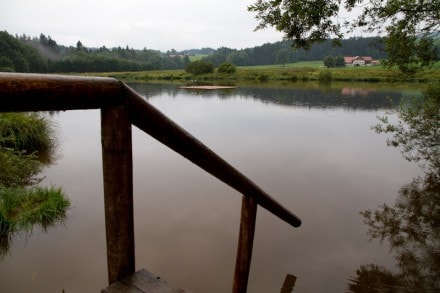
(193, 58)
(301, 64)
(300, 71)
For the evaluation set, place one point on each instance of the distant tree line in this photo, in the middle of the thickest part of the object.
(16, 56)
(282, 52)
(43, 54)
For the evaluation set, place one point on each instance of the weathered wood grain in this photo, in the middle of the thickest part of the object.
(46, 92)
(118, 191)
(245, 244)
(120, 107)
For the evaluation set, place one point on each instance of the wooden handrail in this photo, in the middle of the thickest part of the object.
(39, 92)
(159, 126)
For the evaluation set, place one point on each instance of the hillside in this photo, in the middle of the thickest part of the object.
(43, 54)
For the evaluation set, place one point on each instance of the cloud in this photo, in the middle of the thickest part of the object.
(161, 25)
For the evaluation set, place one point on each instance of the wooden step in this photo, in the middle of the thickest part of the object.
(143, 281)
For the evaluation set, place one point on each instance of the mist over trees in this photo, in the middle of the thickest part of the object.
(43, 54)
(16, 56)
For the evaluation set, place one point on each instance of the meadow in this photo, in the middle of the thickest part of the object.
(299, 71)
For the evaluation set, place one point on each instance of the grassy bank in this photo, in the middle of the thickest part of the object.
(22, 208)
(301, 71)
(26, 147)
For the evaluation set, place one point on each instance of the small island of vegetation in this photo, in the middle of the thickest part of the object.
(26, 145)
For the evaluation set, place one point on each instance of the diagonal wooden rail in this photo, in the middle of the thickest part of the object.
(120, 108)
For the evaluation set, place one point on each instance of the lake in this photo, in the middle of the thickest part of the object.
(311, 148)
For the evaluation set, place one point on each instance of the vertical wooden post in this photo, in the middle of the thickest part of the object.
(245, 244)
(118, 191)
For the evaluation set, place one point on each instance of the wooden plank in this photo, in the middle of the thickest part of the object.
(143, 282)
(289, 283)
(39, 92)
(118, 191)
(245, 244)
(47, 92)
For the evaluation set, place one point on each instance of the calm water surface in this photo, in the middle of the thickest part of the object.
(313, 150)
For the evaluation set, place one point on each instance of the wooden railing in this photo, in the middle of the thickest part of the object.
(120, 108)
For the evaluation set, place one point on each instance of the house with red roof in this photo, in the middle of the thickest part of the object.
(359, 61)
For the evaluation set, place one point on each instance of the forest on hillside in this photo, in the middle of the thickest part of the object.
(44, 55)
(282, 52)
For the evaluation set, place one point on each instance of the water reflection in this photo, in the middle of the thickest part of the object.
(412, 226)
(322, 162)
(284, 125)
(321, 97)
(26, 147)
(349, 91)
(412, 229)
(289, 284)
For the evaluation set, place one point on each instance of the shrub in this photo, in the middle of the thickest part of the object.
(329, 61)
(263, 77)
(227, 68)
(199, 67)
(325, 76)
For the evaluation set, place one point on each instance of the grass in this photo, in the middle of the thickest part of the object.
(197, 57)
(18, 169)
(300, 71)
(301, 64)
(30, 132)
(23, 140)
(22, 209)
(26, 144)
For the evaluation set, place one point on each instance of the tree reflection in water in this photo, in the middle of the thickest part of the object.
(412, 226)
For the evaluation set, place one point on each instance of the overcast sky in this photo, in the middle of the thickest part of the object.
(160, 24)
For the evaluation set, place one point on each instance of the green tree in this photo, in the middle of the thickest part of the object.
(199, 67)
(6, 64)
(283, 56)
(238, 58)
(219, 56)
(227, 68)
(79, 46)
(339, 61)
(186, 60)
(411, 22)
(19, 57)
(329, 61)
